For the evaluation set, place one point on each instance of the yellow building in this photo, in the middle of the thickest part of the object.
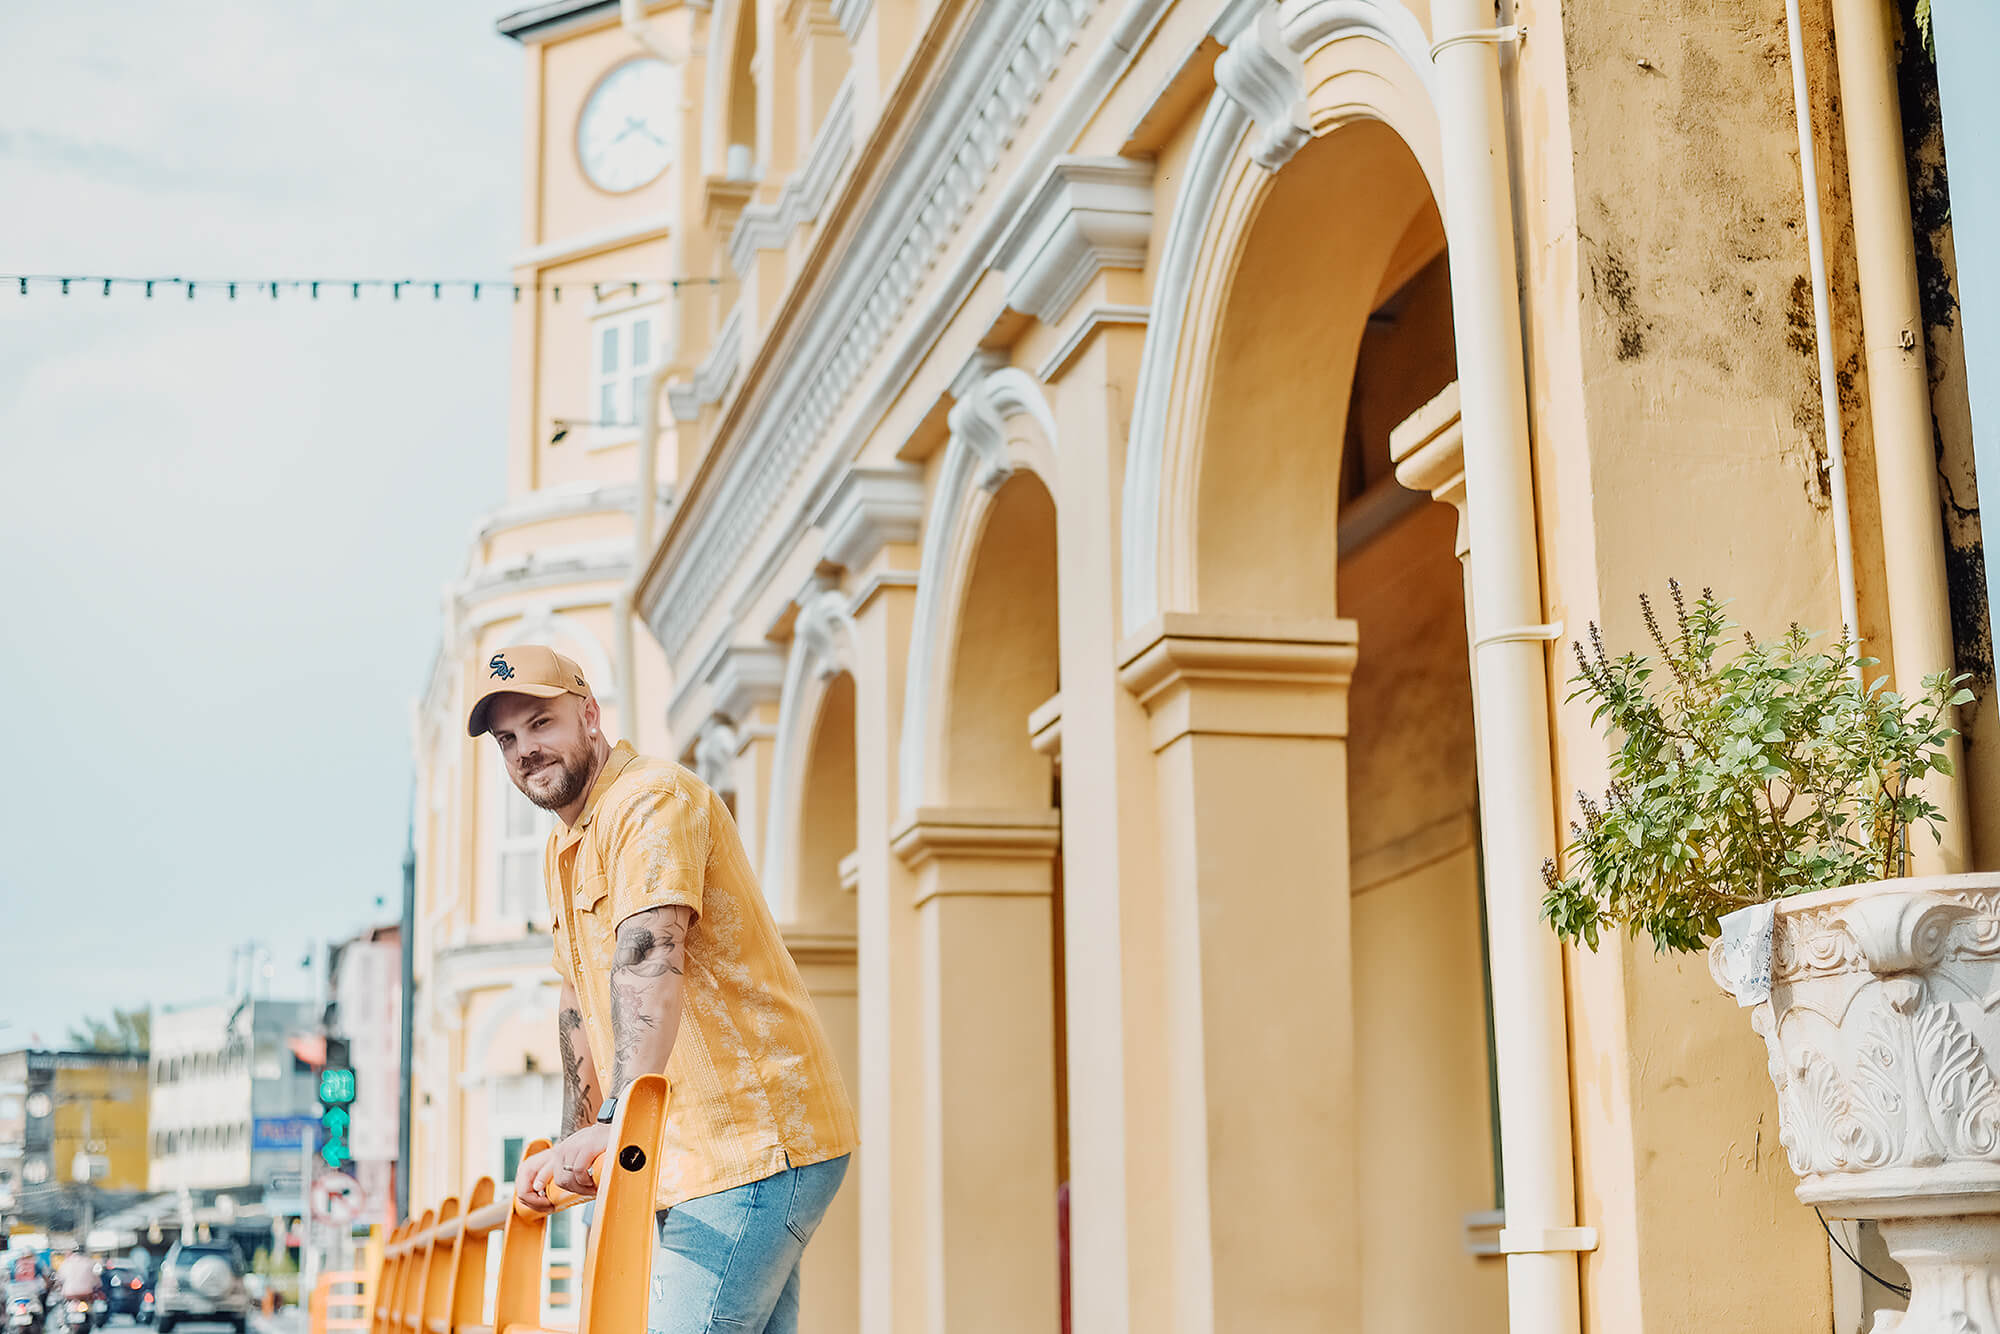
(1053, 411)
(73, 1132)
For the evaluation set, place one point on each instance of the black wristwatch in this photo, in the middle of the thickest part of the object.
(607, 1109)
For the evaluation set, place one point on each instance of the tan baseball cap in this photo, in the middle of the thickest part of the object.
(522, 669)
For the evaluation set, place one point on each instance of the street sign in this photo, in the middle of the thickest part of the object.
(282, 1132)
(336, 1198)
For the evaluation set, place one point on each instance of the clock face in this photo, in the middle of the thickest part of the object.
(621, 138)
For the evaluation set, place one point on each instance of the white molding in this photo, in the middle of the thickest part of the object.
(850, 15)
(770, 226)
(976, 456)
(715, 755)
(1001, 67)
(589, 243)
(1097, 317)
(868, 509)
(744, 676)
(564, 501)
(715, 372)
(1305, 26)
(583, 563)
(1268, 79)
(1089, 214)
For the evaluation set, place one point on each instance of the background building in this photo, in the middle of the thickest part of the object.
(232, 1101)
(366, 1017)
(73, 1135)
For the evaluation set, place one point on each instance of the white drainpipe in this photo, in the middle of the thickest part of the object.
(1899, 390)
(1511, 679)
(1829, 385)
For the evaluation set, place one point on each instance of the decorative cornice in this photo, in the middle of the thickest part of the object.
(1086, 328)
(1088, 214)
(988, 834)
(817, 945)
(1428, 449)
(1241, 675)
(850, 872)
(867, 510)
(713, 375)
(1267, 79)
(911, 216)
(743, 677)
(769, 226)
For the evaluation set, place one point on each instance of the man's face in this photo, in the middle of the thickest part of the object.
(546, 743)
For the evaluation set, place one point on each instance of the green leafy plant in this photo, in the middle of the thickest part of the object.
(1742, 771)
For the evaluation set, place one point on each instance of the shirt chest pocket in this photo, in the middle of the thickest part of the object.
(592, 905)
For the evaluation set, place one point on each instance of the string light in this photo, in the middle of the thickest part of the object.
(25, 283)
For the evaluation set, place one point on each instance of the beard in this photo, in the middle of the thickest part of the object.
(556, 782)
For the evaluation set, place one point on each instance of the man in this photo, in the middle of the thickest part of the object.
(671, 962)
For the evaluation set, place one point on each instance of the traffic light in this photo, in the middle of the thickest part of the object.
(336, 1096)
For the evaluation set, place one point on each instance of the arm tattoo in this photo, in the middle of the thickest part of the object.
(646, 969)
(577, 1093)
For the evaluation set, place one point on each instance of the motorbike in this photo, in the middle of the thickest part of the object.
(24, 1308)
(79, 1316)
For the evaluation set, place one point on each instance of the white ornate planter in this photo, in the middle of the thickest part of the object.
(1883, 1031)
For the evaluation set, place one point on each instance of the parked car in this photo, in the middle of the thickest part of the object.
(202, 1281)
(129, 1291)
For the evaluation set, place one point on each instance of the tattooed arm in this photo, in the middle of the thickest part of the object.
(582, 1088)
(646, 991)
(583, 1092)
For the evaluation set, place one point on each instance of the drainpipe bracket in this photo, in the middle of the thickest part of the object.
(1491, 36)
(1546, 1240)
(1518, 633)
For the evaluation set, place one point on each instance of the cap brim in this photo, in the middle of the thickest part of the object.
(475, 721)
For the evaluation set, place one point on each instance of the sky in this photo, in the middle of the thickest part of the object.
(226, 527)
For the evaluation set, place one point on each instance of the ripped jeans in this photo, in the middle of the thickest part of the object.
(728, 1263)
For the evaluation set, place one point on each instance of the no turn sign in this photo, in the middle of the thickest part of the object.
(336, 1198)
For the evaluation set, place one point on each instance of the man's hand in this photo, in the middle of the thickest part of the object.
(530, 1179)
(569, 1162)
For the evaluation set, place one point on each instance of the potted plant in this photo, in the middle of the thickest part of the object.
(1762, 803)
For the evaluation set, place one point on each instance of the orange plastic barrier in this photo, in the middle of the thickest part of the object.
(433, 1277)
(352, 1301)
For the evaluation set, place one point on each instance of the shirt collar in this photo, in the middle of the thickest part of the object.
(621, 755)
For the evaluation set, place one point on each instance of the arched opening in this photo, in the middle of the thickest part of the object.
(1335, 328)
(740, 142)
(1003, 664)
(991, 893)
(827, 812)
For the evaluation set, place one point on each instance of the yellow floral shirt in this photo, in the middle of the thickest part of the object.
(752, 1084)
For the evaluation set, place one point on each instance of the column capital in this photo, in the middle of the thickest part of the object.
(745, 676)
(868, 509)
(1241, 675)
(1088, 214)
(1428, 449)
(977, 850)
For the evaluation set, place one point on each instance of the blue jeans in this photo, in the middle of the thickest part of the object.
(730, 1261)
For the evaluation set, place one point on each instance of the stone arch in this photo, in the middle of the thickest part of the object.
(1001, 428)
(1285, 97)
(822, 649)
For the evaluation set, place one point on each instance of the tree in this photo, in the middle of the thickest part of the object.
(125, 1031)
